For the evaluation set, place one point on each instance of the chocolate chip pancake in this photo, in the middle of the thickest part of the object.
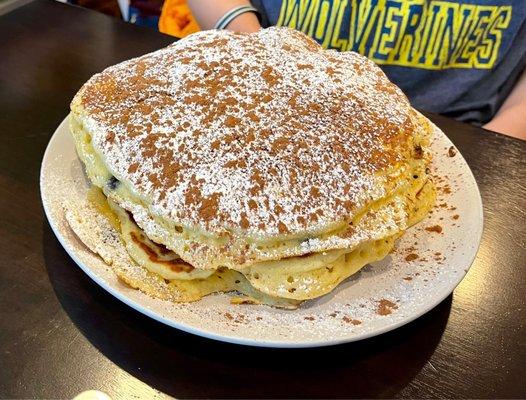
(258, 153)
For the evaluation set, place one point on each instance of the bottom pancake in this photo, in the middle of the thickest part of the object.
(95, 226)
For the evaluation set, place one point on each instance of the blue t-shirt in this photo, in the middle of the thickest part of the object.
(455, 57)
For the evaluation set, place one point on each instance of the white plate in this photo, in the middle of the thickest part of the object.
(351, 312)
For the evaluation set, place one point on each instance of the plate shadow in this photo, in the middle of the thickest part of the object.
(188, 366)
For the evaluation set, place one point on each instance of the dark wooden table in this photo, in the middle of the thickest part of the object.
(61, 334)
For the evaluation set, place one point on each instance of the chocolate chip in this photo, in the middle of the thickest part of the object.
(112, 183)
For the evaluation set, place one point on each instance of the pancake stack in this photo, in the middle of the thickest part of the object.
(258, 163)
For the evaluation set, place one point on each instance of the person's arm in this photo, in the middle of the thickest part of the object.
(207, 13)
(511, 117)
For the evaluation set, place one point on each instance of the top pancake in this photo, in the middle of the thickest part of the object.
(263, 134)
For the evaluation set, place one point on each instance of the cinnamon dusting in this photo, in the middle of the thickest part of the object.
(411, 257)
(434, 228)
(385, 307)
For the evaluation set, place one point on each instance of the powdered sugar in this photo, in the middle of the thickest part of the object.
(264, 134)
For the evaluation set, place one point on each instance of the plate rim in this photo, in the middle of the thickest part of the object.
(137, 306)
